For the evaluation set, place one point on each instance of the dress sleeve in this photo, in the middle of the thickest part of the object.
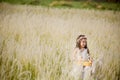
(74, 54)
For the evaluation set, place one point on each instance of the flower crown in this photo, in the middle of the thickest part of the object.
(82, 38)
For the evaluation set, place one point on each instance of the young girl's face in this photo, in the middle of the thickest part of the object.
(83, 43)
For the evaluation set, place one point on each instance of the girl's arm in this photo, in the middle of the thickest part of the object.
(90, 58)
(74, 54)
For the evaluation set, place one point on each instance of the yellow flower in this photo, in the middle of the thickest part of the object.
(85, 63)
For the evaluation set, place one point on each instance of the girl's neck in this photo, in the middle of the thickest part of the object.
(82, 49)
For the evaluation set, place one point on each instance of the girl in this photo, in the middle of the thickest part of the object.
(81, 59)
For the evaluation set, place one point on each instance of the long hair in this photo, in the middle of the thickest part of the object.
(78, 41)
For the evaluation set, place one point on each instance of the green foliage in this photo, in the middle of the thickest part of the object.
(69, 4)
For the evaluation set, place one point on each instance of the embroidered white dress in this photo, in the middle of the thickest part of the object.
(78, 71)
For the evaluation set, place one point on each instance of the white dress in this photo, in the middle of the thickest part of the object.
(78, 71)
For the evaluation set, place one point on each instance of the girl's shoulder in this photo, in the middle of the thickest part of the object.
(76, 49)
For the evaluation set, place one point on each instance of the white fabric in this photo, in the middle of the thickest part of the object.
(85, 56)
(78, 72)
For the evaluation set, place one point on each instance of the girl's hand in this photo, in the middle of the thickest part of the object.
(85, 63)
(89, 62)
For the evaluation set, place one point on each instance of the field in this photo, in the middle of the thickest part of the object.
(36, 43)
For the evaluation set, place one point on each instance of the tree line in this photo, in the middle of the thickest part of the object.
(116, 1)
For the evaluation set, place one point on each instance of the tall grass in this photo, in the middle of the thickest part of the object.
(36, 43)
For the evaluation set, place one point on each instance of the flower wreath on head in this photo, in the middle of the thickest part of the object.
(82, 38)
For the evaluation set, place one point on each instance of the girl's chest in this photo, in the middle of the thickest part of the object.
(82, 54)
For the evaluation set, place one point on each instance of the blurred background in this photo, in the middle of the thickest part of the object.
(90, 4)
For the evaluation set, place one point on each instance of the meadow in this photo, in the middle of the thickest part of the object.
(36, 42)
